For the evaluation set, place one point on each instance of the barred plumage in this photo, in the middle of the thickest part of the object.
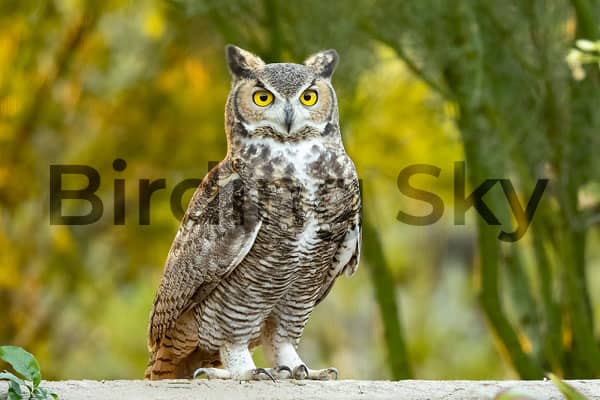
(265, 235)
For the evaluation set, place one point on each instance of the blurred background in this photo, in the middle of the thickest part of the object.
(419, 81)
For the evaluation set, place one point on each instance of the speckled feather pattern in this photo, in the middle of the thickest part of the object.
(264, 238)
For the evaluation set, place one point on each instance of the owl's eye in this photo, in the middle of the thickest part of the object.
(308, 97)
(262, 98)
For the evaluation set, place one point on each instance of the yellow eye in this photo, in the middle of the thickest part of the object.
(262, 98)
(308, 97)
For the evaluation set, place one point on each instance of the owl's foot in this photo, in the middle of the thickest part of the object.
(283, 352)
(303, 372)
(219, 373)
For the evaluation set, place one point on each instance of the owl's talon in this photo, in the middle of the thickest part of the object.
(278, 369)
(332, 372)
(256, 374)
(200, 372)
(212, 373)
(300, 372)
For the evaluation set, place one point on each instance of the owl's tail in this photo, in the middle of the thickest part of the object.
(162, 363)
(165, 364)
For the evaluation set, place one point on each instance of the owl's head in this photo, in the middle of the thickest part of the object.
(284, 101)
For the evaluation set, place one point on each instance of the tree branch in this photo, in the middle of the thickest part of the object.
(385, 293)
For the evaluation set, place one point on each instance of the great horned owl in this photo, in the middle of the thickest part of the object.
(266, 234)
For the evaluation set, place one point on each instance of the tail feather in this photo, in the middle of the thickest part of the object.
(164, 364)
(176, 355)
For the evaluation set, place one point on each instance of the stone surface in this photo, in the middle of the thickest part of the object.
(215, 389)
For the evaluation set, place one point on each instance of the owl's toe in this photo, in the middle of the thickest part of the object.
(300, 372)
(261, 373)
(219, 373)
(282, 372)
(212, 373)
(330, 374)
(303, 372)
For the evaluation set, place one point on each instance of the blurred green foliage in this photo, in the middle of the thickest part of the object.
(85, 82)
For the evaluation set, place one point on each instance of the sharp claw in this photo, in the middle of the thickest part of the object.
(298, 369)
(280, 368)
(200, 371)
(333, 371)
(259, 371)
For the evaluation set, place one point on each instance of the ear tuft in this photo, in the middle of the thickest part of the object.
(241, 63)
(323, 62)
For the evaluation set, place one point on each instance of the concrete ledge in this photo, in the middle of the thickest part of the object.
(366, 390)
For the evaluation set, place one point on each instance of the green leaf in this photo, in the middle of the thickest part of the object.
(23, 362)
(567, 390)
(14, 391)
(14, 396)
(7, 376)
(14, 386)
(40, 394)
(43, 394)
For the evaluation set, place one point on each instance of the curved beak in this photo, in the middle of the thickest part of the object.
(289, 116)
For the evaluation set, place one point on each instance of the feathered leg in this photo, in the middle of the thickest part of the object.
(238, 364)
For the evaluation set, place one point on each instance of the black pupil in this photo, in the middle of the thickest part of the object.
(263, 97)
(307, 97)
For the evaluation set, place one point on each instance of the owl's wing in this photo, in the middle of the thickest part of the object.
(347, 255)
(216, 233)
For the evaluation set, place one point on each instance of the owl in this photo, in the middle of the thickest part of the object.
(267, 232)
